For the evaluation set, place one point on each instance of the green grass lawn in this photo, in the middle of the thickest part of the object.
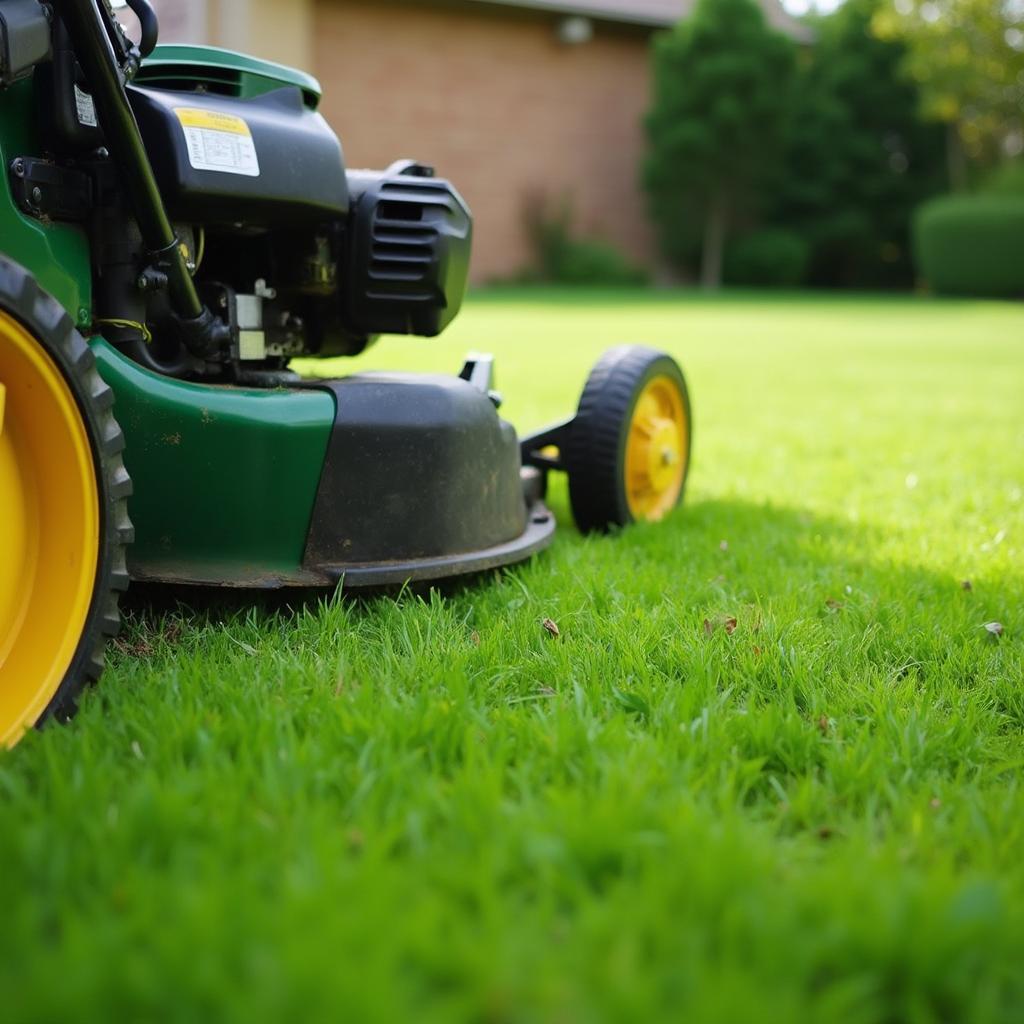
(419, 809)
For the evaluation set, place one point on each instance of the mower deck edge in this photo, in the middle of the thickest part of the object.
(540, 529)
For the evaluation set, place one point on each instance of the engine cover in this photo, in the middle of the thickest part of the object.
(410, 238)
(262, 161)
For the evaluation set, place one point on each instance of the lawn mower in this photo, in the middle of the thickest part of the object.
(177, 224)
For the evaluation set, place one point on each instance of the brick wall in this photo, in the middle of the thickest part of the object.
(498, 105)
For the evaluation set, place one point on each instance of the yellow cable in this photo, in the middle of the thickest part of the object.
(200, 250)
(147, 337)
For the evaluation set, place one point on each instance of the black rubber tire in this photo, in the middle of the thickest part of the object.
(48, 322)
(596, 450)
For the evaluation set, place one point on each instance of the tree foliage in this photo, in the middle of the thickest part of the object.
(837, 143)
(721, 98)
(968, 57)
(859, 157)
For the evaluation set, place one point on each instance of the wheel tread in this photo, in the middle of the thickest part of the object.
(48, 321)
(594, 451)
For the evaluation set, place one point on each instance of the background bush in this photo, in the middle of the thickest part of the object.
(1007, 179)
(972, 244)
(771, 258)
(559, 257)
(590, 261)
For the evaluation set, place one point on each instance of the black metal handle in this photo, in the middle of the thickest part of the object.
(148, 23)
(85, 20)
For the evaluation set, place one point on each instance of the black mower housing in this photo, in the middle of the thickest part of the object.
(399, 238)
(353, 254)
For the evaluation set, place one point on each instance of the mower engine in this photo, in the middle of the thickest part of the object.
(297, 255)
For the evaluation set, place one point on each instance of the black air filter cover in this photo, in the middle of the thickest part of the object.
(410, 236)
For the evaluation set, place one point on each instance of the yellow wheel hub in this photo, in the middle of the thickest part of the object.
(656, 450)
(49, 529)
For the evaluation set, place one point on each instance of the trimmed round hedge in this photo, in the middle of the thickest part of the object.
(971, 245)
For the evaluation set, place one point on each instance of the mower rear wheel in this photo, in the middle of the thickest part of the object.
(628, 451)
(63, 514)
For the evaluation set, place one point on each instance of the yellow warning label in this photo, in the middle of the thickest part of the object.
(218, 142)
(212, 120)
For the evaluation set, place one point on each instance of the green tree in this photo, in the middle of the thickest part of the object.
(859, 158)
(716, 127)
(968, 56)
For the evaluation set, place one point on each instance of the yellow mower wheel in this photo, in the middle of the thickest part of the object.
(628, 452)
(62, 509)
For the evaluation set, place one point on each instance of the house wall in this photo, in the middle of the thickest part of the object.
(496, 103)
(489, 96)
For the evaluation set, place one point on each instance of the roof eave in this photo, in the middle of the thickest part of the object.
(582, 10)
(794, 28)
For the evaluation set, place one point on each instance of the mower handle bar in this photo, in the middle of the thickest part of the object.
(148, 23)
(89, 24)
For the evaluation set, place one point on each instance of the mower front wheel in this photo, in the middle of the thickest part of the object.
(628, 451)
(63, 515)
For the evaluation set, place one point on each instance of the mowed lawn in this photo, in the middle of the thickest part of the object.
(771, 770)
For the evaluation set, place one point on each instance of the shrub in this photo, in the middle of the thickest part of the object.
(972, 245)
(1006, 180)
(561, 258)
(587, 261)
(770, 258)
